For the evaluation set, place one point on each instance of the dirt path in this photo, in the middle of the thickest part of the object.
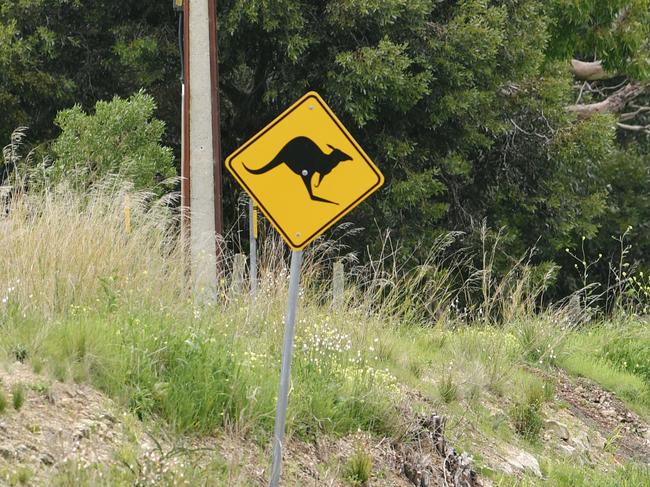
(628, 436)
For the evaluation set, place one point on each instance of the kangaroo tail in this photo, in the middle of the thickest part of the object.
(267, 167)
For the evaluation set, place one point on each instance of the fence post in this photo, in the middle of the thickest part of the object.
(338, 283)
(237, 283)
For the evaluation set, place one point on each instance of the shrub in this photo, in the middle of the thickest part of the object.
(121, 138)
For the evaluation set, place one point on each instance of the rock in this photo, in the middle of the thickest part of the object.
(520, 461)
(47, 459)
(109, 418)
(25, 450)
(559, 429)
(460, 469)
(84, 429)
(6, 453)
(608, 413)
(628, 418)
(568, 450)
(596, 440)
(581, 442)
(416, 469)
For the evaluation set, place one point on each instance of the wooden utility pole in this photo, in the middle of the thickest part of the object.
(201, 187)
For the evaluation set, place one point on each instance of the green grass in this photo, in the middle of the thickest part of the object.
(630, 351)
(447, 388)
(113, 310)
(3, 402)
(568, 475)
(597, 355)
(17, 396)
(203, 373)
(358, 468)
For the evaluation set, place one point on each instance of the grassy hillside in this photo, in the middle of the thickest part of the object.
(85, 300)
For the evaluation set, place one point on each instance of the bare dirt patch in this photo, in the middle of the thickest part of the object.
(627, 435)
(56, 423)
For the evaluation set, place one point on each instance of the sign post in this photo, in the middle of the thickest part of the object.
(305, 172)
(252, 237)
(285, 372)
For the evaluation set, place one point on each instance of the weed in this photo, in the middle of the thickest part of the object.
(526, 419)
(3, 402)
(18, 396)
(541, 339)
(613, 440)
(20, 353)
(526, 413)
(447, 388)
(23, 475)
(358, 468)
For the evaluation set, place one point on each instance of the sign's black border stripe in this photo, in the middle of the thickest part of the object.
(339, 215)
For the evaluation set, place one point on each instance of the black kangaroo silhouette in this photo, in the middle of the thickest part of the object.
(303, 156)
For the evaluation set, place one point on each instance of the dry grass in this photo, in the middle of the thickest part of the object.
(62, 250)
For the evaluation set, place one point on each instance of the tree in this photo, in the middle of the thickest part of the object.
(58, 53)
(517, 111)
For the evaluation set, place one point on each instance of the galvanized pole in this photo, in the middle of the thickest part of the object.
(285, 374)
(252, 234)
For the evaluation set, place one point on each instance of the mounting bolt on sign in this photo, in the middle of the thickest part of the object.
(305, 172)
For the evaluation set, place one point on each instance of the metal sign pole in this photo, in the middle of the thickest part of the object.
(252, 233)
(285, 375)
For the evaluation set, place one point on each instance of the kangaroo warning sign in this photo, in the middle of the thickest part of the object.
(305, 171)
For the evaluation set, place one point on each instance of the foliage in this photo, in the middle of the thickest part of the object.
(17, 396)
(58, 53)
(462, 104)
(124, 324)
(120, 138)
(358, 468)
(3, 402)
(526, 413)
(615, 31)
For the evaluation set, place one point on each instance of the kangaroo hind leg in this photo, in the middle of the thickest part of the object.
(307, 180)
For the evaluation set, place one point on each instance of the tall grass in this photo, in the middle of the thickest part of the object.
(91, 299)
(62, 250)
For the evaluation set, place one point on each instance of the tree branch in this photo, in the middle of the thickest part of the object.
(634, 128)
(626, 117)
(615, 103)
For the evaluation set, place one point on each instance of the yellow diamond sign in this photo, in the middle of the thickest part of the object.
(305, 171)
